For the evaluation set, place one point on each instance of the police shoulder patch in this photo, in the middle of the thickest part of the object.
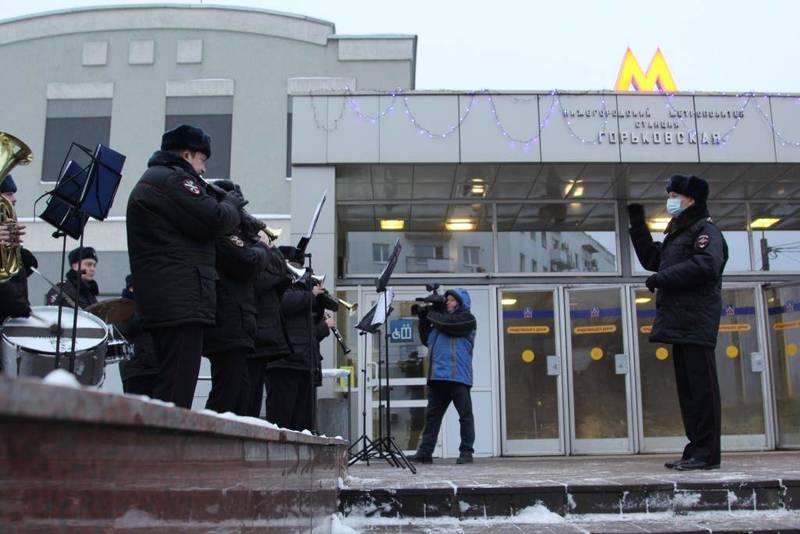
(236, 240)
(191, 186)
(702, 241)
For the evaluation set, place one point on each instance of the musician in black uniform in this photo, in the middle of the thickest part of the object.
(139, 373)
(240, 257)
(79, 283)
(688, 267)
(290, 376)
(271, 339)
(173, 223)
(14, 293)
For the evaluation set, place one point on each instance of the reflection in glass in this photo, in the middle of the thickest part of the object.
(740, 388)
(436, 238)
(661, 414)
(783, 307)
(407, 425)
(408, 357)
(529, 338)
(556, 237)
(596, 337)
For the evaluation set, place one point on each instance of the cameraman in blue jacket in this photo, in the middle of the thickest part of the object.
(449, 333)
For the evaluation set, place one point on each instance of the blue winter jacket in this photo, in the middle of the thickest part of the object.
(450, 341)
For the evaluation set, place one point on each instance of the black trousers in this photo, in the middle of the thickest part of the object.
(140, 385)
(698, 396)
(289, 398)
(229, 382)
(179, 349)
(440, 394)
(256, 377)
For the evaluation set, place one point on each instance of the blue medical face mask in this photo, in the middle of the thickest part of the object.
(674, 206)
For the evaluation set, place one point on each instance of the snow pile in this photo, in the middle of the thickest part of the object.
(685, 499)
(538, 513)
(338, 527)
(243, 419)
(61, 378)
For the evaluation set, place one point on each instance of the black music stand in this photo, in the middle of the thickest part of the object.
(81, 192)
(385, 446)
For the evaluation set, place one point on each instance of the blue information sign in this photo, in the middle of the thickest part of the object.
(401, 330)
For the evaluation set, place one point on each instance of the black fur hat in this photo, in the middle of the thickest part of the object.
(8, 185)
(690, 186)
(85, 253)
(186, 137)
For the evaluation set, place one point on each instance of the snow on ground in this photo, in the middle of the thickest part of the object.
(540, 515)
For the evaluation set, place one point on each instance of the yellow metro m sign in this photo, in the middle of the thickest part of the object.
(658, 74)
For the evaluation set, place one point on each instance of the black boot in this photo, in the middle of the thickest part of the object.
(421, 458)
(464, 458)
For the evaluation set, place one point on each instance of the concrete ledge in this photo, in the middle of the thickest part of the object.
(109, 461)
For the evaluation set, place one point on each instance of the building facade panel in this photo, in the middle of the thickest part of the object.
(730, 129)
(500, 128)
(576, 127)
(420, 128)
(783, 113)
(654, 128)
(354, 126)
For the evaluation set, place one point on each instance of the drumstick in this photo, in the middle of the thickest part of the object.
(66, 297)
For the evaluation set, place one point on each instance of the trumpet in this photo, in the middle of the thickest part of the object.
(295, 273)
(273, 234)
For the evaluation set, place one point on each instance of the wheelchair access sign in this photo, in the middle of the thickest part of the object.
(401, 331)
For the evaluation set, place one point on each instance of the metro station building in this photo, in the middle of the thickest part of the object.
(517, 197)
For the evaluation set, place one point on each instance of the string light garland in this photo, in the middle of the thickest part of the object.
(351, 102)
(768, 119)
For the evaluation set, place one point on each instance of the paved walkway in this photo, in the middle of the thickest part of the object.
(575, 470)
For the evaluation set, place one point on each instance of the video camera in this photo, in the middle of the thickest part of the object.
(433, 301)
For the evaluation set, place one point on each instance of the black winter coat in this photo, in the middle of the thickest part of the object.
(86, 297)
(238, 263)
(14, 300)
(689, 265)
(144, 361)
(297, 305)
(271, 284)
(172, 225)
(321, 331)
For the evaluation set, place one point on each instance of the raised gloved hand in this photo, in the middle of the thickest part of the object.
(636, 214)
(651, 283)
(236, 199)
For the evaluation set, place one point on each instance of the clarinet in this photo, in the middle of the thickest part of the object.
(339, 338)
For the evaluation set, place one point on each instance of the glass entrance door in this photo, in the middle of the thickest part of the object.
(407, 370)
(741, 369)
(600, 385)
(530, 370)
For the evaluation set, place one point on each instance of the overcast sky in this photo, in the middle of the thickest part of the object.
(709, 45)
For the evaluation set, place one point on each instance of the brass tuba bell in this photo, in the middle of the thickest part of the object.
(13, 152)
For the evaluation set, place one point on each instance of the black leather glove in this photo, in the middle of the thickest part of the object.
(636, 214)
(235, 199)
(651, 283)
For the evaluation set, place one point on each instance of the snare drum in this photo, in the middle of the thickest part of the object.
(29, 344)
(117, 347)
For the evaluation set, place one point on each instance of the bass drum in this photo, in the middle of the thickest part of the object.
(29, 344)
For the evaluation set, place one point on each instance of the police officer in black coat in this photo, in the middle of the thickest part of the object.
(79, 284)
(231, 340)
(290, 377)
(271, 338)
(14, 293)
(173, 223)
(688, 284)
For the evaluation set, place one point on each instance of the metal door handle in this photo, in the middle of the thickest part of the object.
(621, 364)
(374, 367)
(756, 362)
(553, 366)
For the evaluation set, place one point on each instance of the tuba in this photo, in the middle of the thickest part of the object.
(13, 152)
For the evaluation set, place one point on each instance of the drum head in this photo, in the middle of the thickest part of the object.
(38, 333)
